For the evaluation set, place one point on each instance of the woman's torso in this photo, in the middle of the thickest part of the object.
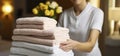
(80, 27)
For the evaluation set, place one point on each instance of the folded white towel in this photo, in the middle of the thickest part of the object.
(60, 35)
(37, 32)
(37, 47)
(61, 30)
(33, 40)
(29, 52)
(36, 20)
(31, 26)
(34, 32)
(49, 42)
(39, 37)
(16, 55)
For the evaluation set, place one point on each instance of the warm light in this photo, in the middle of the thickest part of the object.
(113, 4)
(7, 8)
(95, 3)
(112, 24)
(119, 23)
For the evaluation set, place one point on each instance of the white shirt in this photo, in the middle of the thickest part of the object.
(80, 26)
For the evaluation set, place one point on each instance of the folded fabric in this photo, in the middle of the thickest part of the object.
(36, 20)
(34, 32)
(30, 52)
(11, 54)
(33, 40)
(41, 37)
(48, 42)
(42, 27)
(61, 30)
(37, 47)
(61, 33)
(16, 55)
(37, 32)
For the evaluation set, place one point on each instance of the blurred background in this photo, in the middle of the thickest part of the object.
(109, 40)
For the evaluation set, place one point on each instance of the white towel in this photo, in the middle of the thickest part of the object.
(37, 47)
(33, 40)
(39, 37)
(36, 32)
(16, 55)
(36, 20)
(41, 41)
(61, 33)
(61, 30)
(31, 26)
(28, 52)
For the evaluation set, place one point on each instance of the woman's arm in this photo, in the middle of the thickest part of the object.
(88, 46)
(82, 46)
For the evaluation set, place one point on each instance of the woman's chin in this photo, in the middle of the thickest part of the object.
(77, 4)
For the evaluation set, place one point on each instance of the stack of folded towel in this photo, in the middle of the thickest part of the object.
(38, 36)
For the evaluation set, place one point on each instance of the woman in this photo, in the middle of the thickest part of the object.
(85, 24)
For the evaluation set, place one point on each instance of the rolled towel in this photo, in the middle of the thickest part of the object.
(30, 52)
(36, 20)
(31, 26)
(33, 40)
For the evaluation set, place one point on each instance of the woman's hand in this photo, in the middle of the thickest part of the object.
(81, 46)
(68, 45)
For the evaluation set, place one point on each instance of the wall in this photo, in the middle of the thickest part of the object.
(106, 30)
(64, 3)
(21, 4)
(6, 23)
(114, 14)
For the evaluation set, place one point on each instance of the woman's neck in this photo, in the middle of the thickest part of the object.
(79, 8)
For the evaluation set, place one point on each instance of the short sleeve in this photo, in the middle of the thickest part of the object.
(98, 16)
